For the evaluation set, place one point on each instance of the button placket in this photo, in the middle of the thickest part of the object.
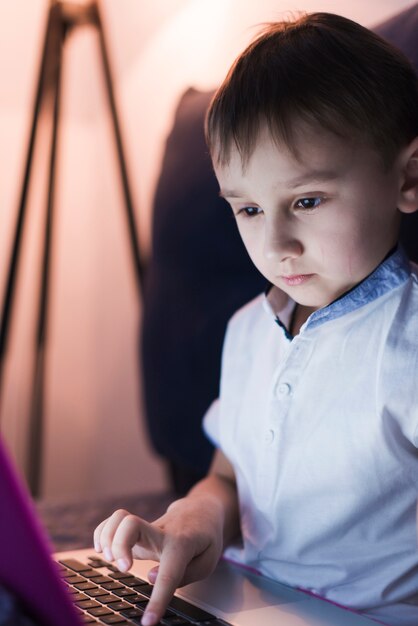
(290, 369)
(269, 436)
(283, 389)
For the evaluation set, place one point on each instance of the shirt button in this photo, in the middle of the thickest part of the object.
(269, 437)
(284, 389)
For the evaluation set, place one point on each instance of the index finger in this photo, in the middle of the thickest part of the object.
(135, 537)
(173, 562)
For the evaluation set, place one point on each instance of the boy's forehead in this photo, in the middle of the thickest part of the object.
(321, 158)
(314, 155)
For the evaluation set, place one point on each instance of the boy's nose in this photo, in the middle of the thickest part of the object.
(280, 242)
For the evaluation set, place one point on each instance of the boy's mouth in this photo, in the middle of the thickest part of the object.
(294, 280)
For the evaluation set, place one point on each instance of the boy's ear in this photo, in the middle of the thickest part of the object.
(408, 193)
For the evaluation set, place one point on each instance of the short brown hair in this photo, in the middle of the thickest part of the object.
(322, 69)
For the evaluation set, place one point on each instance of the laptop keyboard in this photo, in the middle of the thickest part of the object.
(104, 595)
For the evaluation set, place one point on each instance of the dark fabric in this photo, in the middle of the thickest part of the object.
(182, 478)
(402, 31)
(198, 276)
(12, 612)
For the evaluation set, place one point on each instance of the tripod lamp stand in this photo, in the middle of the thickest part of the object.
(63, 18)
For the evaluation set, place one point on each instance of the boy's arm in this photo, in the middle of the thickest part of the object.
(220, 482)
(187, 540)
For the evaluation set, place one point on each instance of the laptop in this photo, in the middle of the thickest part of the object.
(78, 587)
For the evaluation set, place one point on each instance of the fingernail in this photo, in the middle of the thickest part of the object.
(107, 554)
(97, 546)
(149, 619)
(122, 564)
(152, 577)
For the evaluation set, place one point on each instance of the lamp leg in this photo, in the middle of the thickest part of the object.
(61, 18)
(130, 214)
(36, 423)
(13, 268)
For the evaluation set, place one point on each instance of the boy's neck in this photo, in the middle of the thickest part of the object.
(299, 316)
(301, 312)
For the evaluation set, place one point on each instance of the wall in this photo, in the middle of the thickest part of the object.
(96, 443)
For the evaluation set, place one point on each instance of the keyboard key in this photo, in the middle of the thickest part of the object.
(190, 611)
(79, 596)
(142, 581)
(96, 561)
(99, 611)
(118, 606)
(114, 619)
(144, 589)
(65, 573)
(132, 581)
(61, 568)
(131, 612)
(108, 598)
(90, 573)
(85, 585)
(73, 564)
(96, 593)
(174, 620)
(134, 598)
(113, 586)
(141, 605)
(120, 575)
(87, 604)
(99, 580)
(111, 567)
(123, 592)
(72, 580)
(88, 619)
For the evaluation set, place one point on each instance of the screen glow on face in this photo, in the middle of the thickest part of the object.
(318, 224)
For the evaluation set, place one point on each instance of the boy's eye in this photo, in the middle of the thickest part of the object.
(249, 211)
(308, 203)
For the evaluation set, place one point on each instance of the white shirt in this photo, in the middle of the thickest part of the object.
(322, 431)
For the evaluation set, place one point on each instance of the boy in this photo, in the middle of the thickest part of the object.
(314, 141)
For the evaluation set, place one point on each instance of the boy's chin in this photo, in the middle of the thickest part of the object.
(304, 299)
(314, 299)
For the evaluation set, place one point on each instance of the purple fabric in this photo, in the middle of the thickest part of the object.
(26, 568)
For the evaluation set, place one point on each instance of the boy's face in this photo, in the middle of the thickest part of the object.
(315, 225)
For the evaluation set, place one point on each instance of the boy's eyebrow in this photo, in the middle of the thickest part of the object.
(229, 193)
(312, 176)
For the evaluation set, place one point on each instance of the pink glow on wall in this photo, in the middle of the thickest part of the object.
(158, 49)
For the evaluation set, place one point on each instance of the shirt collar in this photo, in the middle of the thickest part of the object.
(391, 273)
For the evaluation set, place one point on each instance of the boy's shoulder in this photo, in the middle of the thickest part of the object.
(410, 291)
(397, 391)
(267, 305)
(248, 322)
(254, 322)
(250, 310)
(399, 323)
(407, 314)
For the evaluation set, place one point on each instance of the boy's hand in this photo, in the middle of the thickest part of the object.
(187, 541)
